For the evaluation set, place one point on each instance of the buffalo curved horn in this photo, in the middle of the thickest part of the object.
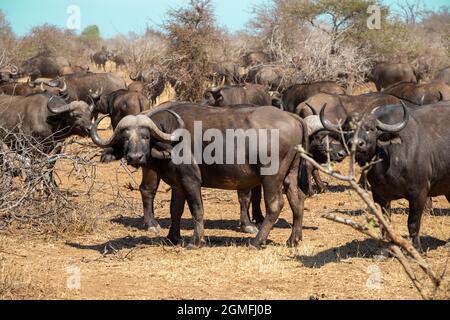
(137, 121)
(314, 124)
(133, 77)
(64, 88)
(395, 127)
(441, 96)
(58, 110)
(42, 87)
(325, 122)
(312, 109)
(13, 70)
(30, 83)
(96, 138)
(181, 124)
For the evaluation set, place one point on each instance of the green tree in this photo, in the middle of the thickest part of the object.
(336, 18)
(91, 36)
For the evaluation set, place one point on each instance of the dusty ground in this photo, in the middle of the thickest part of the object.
(120, 260)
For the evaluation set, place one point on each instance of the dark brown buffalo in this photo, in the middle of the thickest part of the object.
(64, 71)
(225, 73)
(121, 103)
(144, 142)
(44, 116)
(237, 94)
(412, 148)
(387, 74)
(443, 75)
(31, 87)
(119, 61)
(137, 86)
(82, 86)
(255, 58)
(420, 94)
(339, 107)
(101, 57)
(299, 93)
(155, 83)
(43, 66)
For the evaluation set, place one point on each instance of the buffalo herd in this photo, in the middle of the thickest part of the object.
(403, 131)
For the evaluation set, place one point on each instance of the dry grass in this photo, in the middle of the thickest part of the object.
(121, 260)
(17, 281)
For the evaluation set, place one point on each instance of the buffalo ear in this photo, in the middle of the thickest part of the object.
(161, 151)
(388, 138)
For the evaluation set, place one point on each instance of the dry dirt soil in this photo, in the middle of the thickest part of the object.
(118, 259)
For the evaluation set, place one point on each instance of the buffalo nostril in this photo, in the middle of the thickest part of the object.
(361, 144)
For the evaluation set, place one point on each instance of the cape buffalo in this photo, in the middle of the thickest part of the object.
(255, 58)
(42, 66)
(339, 107)
(413, 146)
(64, 71)
(155, 83)
(274, 78)
(238, 94)
(387, 74)
(101, 57)
(420, 94)
(443, 75)
(298, 93)
(81, 86)
(119, 60)
(120, 103)
(226, 73)
(145, 141)
(44, 116)
(31, 87)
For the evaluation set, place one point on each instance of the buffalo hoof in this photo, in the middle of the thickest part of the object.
(251, 229)
(293, 241)
(154, 229)
(174, 240)
(192, 246)
(255, 244)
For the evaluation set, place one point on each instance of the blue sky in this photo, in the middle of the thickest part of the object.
(123, 16)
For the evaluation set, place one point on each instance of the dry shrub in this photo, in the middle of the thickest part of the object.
(191, 31)
(140, 52)
(29, 195)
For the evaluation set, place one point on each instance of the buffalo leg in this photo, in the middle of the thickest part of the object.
(244, 201)
(148, 188)
(273, 199)
(416, 207)
(176, 211)
(429, 205)
(386, 209)
(320, 184)
(256, 205)
(296, 200)
(191, 185)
